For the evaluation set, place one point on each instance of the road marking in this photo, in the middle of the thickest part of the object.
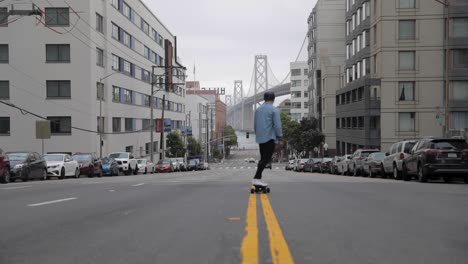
(111, 190)
(234, 167)
(139, 184)
(52, 202)
(18, 187)
(249, 247)
(278, 246)
(249, 167)
(241, 167)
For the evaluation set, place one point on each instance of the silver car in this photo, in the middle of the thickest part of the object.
(395, 156)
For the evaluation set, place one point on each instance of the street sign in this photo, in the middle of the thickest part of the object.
(43, 129)
(159, 125)
(167, 125)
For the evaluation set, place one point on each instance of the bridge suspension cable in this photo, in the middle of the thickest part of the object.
(297, 58)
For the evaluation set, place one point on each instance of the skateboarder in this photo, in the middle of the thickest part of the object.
(268, 132)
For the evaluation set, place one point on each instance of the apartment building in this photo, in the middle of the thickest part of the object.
(86, 68)
(326, 40)
(299, 90)
(197, 109)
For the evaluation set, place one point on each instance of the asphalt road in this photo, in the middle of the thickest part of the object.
(211, 217)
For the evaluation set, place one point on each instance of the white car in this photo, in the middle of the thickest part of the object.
(145, 166)
(342, 166)
(127, 163)
(61, 166)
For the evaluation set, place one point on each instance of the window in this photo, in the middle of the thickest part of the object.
(343, 122)
(459, 91)
(374, 122)
(459, 120)
(407, 29)
(355, 123)
(3, 17)
(100, 91)
(364, 40)
(306, 72)
(4, 90)
(145, 124)
(116, 124)
(116, 94)
(127, 11)
(99, 57)
(360, 93)
(407, 121)
(406, 60)
(374, 63)
(127, 39)
(115, 32)
(148, 145)
(4, 57)
(129, 149)
(128, 96)
(460, 58)
(358, 20)
(375, 35)
(127, 67)
(306, 105)
(58, 53)
(60, 124)
(348, 122)
(129, 124)
(407, 4)
(361, 122)
(100, 124)
(296, 72)
(296, 83)
(460, 27)
(406, 91)
(364, 67)
(58, 89)
(145, 27)
(4, 126)
(57, 16)
(337, 123)
(99, 23)
(296, 94)
(348, 28)
(353, 22)
(306, 83)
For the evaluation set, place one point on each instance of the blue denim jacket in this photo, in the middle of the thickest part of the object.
(267, 124)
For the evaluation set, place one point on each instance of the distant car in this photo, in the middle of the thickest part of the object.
(164, 165)
(325, 165)
(300, 164)
(356, 163)
(395, 156)
(181, 164)
(4, 168)
(343, 165)
(432, 158)
(251, 160)
(374, 164)
(110, 167)
(201, 165)
(26, 166)
(290, 165)
(193, 165)
(127, 162)
(175, 164)
(90, 164)
(334, 164)
(145, 166)
(312, 165)
(61, 166)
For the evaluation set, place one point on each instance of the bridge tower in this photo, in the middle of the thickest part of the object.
(239, 98)
(228, 100)
(261, 77)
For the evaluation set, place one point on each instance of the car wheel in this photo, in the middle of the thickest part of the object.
(447, 179)
(100, 173)
(44, 175)
(404, 173)
(396, 174)
(146, 170)
(77, 173)
(135, 171)
(25, 175)
(6, 176)
(62, 174)
(422, 176)
(371, 175)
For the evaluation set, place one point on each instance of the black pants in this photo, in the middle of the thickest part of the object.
(266, 153)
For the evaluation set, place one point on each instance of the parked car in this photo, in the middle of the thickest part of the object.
(26, 166)
(334, 165)
(300, 164)
(193, 165)
(126, 161)
(374, 164)
(201, 165)
(61, 166)
(110, 167)
(356, 163)
(89, 163)
(4, 167)
(175, 164)
(181, 164)
(312, 165)
(251, 160)
(165, 165)
(395, 156)
(343, 165)
(432, 158)
(325, 165)
(145, 166)
(290, 165)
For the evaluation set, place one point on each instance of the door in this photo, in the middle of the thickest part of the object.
(411, 160)
(69, 166)
(32, 165)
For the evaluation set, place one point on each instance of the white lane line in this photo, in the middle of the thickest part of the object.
(111, 190)
(139, 184)
(18, 187)
(277, 168)
(241, 167)
(52, 202)
(249, 167)
(234, 167)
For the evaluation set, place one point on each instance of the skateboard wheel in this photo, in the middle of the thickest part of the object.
(252, 191)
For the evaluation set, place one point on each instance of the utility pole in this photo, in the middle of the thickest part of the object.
(207, 133)
(101, 121)
(151, 116)
(161, 155)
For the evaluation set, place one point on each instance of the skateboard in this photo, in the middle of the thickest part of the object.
(259, 189)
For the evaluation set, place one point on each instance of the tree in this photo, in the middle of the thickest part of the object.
(194, 147)
(175, 145)
(231, 139)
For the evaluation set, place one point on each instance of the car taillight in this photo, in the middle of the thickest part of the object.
(302, 163)
(360, 158)
(402, 156)
(432, 151)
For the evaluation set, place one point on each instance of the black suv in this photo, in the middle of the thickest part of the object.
(26, 166)
(431, 158)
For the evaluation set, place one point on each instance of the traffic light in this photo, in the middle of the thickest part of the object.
(247, 135)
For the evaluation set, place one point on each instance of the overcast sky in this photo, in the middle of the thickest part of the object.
(222, 37)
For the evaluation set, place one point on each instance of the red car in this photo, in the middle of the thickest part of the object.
(164, 166)
(4, 167)
(89, 163)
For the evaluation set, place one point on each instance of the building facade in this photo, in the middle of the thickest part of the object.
(88, 73)
(299, 90)
(326, 40)
(197, 109)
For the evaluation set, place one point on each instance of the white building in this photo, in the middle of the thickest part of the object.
(53, 69)
(299, 90)
(197, 108)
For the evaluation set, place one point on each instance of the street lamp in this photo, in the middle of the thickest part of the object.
(325, 148)
(101, 97)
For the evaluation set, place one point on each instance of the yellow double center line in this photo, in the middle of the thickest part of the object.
(278, 246)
